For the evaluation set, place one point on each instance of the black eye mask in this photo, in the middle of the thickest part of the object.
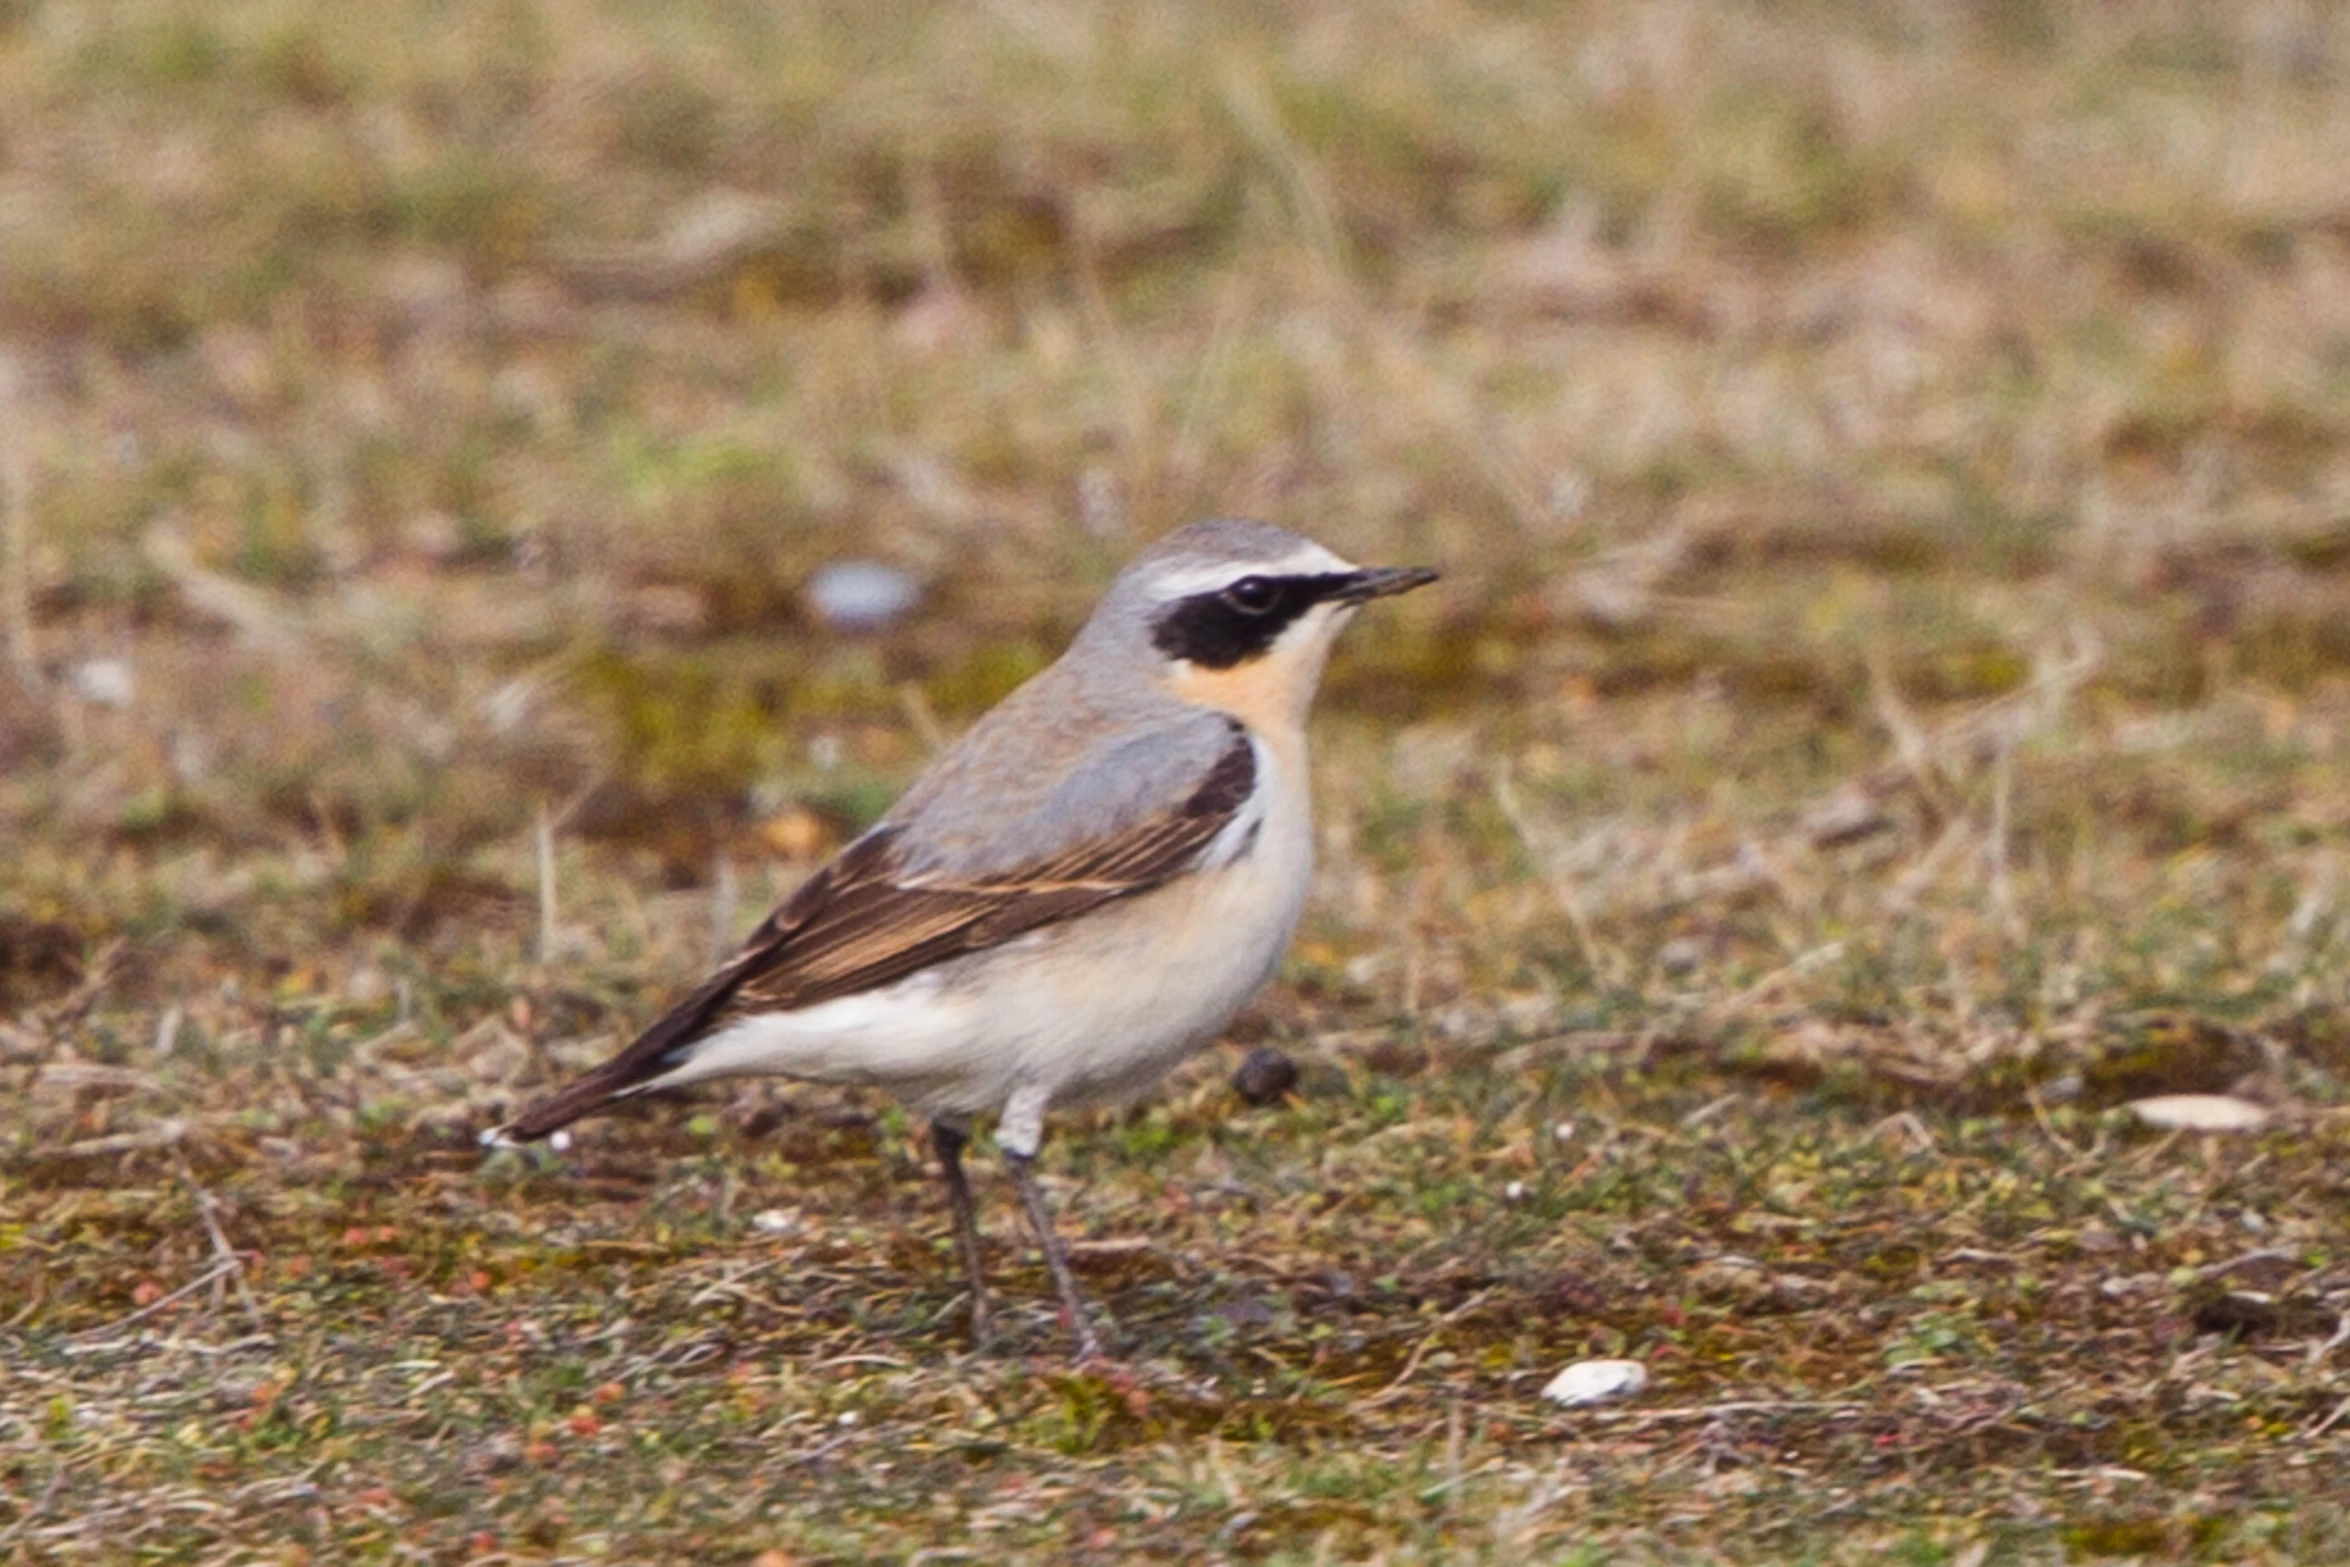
(1239, 621)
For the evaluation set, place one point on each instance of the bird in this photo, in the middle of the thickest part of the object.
(1070, 900)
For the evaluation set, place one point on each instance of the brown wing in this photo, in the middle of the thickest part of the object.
(867, 919)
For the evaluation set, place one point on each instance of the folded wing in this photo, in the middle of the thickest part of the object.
(884, 910)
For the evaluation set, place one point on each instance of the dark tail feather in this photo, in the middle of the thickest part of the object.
(568, 1103)
(654, 1052)
(658, 1048)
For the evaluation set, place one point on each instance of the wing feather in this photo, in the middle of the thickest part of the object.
(874, 915)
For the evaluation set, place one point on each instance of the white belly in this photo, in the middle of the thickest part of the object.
(1100, 1007)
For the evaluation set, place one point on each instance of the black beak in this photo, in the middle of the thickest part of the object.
(1358, 587)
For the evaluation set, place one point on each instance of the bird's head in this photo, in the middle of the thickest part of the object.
(1239, 616)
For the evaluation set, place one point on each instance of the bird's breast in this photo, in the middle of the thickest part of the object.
(1140, 984)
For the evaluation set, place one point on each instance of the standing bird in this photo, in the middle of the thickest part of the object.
(1074, 897)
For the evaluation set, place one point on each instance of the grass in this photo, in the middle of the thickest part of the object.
(1887, 711)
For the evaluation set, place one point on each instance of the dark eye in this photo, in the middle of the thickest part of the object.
(1253, 595)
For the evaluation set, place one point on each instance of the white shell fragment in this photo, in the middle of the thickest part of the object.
(2199, 1113)
(1595, 1382)
(861, 595)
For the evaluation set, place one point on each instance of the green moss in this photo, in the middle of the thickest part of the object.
(485, 209)
(693, 724)
(973, 682)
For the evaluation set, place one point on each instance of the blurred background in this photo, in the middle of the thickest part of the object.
(417, 420)
(490, 495)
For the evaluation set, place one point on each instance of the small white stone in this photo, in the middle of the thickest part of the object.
(1681, 955)
(848, 1417)
(2199, 1113)
(103, 682)
(1563, 1132)
(774, 1221)
(1514, 1192)
(861, 595)
(1595, 1382)
(560, 1142)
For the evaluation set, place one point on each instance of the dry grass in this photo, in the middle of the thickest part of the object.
(1889, 706)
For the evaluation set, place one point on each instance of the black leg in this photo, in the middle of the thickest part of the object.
(1089, 1346)
(949, 1139)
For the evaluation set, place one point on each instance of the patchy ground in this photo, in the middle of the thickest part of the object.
(1887, 714)
(1865, 1330)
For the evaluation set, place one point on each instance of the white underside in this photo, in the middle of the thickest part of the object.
(1098, 1008)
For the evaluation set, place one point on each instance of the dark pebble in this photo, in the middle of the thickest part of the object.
(1266, 1077)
